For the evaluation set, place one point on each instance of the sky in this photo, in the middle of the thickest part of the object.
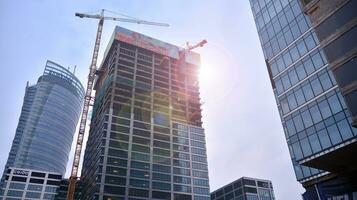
(243, 129)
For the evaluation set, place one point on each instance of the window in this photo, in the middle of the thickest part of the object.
(307, 91)
(114, 190)
(161, 186)
(301, 47)
(286, 81)
(140, 148)
(116, 162)
(306, 118)
(310, 43)
(20, 186)
(33, 195)
(14, 193)
(115, 180)
(199, 166)
(182, 188)
(294, 53)
(299, 96)
(161, 168)
(140, 156)
(199, 174)
(316, 86)
(182, 171)
(139, 183)
(116, 171)
(325, 81)
(300, 71)
(138, 192)
(315, 144)
(287, 58)
(334, 134)
(290, 127)
(279, 86)
(309, 67)
(315, 113)
(297, 150)
(34, 187)
(325, 109)
(298, 123)
(324, 139)
(200, 182)
(292, 101)
(334, 104)
(139, 174)
(182, 179)
(293, 77)
(305, 146)
(161, 177)
(140, 165)
(143, 141)
(199, 190)
(345, 129)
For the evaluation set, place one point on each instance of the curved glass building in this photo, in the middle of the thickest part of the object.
(48, 120)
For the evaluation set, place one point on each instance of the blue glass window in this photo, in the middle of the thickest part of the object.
(298, 123)
(334, 104)
(300, 71)
(299, 96)
(315, 144)
(310, 43)
(345, 129)
(316, 86)
(305, 146)
(324, 139)
(325, 81)
(297, 150)
(293, 77)
(325, 109)
(309, 67)
(290, 127)
(307, 118)
(334, 134)
(292, 101)
(315, 113)
(307, 91)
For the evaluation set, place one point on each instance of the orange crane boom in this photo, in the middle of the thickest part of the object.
(89, 89)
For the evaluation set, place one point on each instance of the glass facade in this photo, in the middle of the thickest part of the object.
(48, 119)
(336, 30)
(245, 189)
(30, 184)
(313, 112)
(147, 119)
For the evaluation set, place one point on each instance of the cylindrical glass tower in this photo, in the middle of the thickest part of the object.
(48, 121)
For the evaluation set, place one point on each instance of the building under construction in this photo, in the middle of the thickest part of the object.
(146, 139)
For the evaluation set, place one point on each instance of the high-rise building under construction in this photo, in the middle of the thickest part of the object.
(146, 139)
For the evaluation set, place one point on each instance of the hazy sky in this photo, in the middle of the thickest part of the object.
(243, 129)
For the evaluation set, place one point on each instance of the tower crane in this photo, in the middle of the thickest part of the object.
(87, 98)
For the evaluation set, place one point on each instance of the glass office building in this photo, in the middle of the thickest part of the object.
(245, 188)
(334, 22)
(146, 139)
(313, 112)
(30, 184)
(47, 123)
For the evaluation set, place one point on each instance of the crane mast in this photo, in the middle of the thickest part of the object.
(89, 89)
(84, 117)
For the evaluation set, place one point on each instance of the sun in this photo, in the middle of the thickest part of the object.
(205, 73)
